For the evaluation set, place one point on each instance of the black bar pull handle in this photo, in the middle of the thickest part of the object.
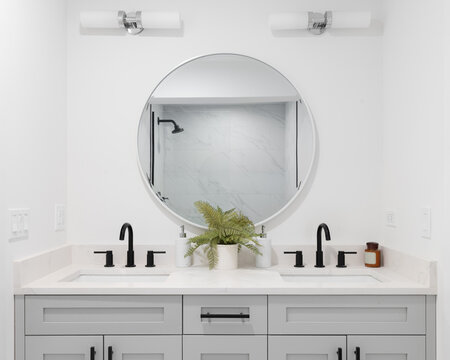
(110, 353)
(339, 353)
(92, 353)
(357, 353)
(225, 316)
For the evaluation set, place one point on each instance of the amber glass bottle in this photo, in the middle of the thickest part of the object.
(372, 255)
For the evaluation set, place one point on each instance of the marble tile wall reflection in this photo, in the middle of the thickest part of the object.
(233, 156)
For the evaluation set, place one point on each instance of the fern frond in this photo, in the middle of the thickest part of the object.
(224, 228)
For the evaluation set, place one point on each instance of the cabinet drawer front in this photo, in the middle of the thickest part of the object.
(67, 315)
(387, 347)
(154, 347)
(225, 315)
(347, 315)
(64, 347)
(307, 347)
(214, 347)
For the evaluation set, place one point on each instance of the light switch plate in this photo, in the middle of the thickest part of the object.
(19, 223)
(425, 220)
(60, 217)
(390, 218)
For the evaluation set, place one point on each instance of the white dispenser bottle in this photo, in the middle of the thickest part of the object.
(265, 259)
(181, 247)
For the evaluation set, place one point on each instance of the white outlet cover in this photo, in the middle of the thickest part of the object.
(425, 220)
(60, 217)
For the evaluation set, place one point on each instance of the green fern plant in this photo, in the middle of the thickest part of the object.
(224, 228)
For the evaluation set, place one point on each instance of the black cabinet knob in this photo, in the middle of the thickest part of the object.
(110, 353)
(109, 257)
(92, 353)
(357, 353)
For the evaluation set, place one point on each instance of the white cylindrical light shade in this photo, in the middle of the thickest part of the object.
(351, 20)
(161, 20)
(99, 20)
(289, 21)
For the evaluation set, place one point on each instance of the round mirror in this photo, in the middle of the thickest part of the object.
(230, 130)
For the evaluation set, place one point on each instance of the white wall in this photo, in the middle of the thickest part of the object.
(110, 78)
(416, 137)
(413, 121)
(33, 134)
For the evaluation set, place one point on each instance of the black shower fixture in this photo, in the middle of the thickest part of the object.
(176, 128)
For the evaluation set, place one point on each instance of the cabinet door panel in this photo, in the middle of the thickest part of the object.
(387, 347)
(213, 347)
(64, 347)
(144, 347)
(307, 347)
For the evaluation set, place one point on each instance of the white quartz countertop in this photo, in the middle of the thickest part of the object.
(200, 280)
(50, 274)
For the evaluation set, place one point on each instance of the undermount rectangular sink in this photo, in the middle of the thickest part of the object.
(111, 278)
(368, 279)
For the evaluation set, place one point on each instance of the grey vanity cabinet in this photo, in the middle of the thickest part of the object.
(386, 347)
(225, 327)
(64, 347)
(224, 347)
(307, 347)
(143, 347)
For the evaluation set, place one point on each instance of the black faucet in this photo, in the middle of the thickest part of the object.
(319, 252)
(130, 252)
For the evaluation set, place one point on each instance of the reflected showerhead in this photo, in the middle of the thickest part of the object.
(176, 128)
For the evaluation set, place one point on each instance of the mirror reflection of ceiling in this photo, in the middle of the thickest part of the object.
(227, 129)
(224, 79)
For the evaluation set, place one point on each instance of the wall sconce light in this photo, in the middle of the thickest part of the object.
(317, 23)
(133, 22)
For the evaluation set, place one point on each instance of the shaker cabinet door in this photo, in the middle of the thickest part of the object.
(143, 347)
(307, 347)
(386, 348)
(64, 347)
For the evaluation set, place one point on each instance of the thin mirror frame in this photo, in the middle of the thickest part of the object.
(300, 188)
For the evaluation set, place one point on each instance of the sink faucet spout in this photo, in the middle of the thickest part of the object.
(319, 252)
(130, 252)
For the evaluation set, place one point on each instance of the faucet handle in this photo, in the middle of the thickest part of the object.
(341, 258)
(298, 257)
(109, 257)
(151, 257)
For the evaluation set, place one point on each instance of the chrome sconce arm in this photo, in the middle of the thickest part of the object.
(132, 21)
(318, 23)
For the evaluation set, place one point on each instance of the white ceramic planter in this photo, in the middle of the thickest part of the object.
(228, 257)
